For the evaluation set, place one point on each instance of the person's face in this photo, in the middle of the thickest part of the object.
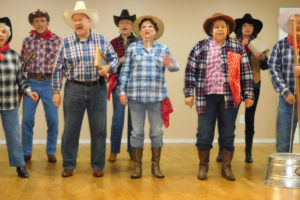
(219, 30)
(147, 31)
(81, 24)
(247, 30)
(40, 24)
(291, 26)
(3, 36)
(125, 26)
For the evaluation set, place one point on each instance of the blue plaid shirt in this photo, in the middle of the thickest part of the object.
(142, 76)
(281, 63)
(75, 59)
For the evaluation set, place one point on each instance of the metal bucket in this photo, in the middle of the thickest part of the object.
(283, 170)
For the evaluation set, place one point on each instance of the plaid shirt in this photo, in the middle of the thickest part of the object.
(75, 59)
(11, 78)
(142, 76)
(281, 63)
(196, 69)
(45, 51)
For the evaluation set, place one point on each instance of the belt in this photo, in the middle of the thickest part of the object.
(39, 77)
(86, 83)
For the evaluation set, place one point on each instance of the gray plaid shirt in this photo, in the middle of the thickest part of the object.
(11, 78)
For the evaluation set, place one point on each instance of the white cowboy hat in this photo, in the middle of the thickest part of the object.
(80, 8)
(158, 21)
(284, 17)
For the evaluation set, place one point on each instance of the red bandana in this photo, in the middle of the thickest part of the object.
(291, 41)
(46, 35)
(5, 48)
(246, 47)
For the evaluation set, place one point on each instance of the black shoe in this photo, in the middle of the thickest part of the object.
(27, 158)
(51, 158)
(22, 172)
(249, 158)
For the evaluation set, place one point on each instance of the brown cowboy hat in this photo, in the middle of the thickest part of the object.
(124, 15)
(158, 21)
(6, 21)
(257, 24)
(36, 14)
(209, 21)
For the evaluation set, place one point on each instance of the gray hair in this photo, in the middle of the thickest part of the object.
(7, 28)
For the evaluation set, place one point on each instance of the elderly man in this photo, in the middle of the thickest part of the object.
(85, 88)
(44, 45)
(283, 72)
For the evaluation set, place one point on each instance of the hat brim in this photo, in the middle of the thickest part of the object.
(6, 21)
(257, 25)
(208, 23)
(91, 13)
(158, 21)
(117, 19)
(284, 17)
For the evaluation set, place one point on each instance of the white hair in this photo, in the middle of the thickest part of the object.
(7, 29)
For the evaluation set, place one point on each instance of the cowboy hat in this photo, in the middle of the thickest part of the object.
(38, 13)
(209, 21)
(124, 15)
(257, 24)
(6, 21)
(158, 22)
(284, 17)
(80, 8)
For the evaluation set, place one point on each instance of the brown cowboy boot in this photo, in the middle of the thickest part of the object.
(203, 165)
(226, 164)
(137, 156)
(155, 163)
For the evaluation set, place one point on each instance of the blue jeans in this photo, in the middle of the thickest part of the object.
(29, 107)
(118, 123)
(215, 111)
(10, 122)
(284, 122)
(77, 100)
(138, 116)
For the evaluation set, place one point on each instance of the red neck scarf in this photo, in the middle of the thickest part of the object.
(5, 48)
(46, 35)
(291, 41)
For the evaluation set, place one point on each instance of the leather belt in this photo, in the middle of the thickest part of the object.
(39, 77)
(86, 83)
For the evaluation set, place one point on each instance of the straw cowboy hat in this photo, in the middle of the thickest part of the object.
(80, 8)
(124, 15)
(284, 17)
(6, 21)
(257, 24)
(158, 21)
(209, 21)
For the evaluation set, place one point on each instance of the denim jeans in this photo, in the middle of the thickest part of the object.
(10, 122)
(77, 100)
(216, 111)
(29, 107)
(284, 122)
(138, 116)
(118, 123)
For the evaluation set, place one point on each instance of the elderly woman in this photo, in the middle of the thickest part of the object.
(124, 22)
(11, 77)
(218, 71)
(143, 87)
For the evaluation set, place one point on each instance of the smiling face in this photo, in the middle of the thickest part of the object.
(125, 27)
(4, 35)
(40, 24)
(247, 30)
(147, 31)
(291, 25)
(81, 25)
(219, 31)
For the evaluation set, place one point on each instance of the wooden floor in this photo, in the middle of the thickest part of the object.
(179, 163)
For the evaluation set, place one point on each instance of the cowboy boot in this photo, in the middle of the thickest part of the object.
(203, 165)
(155, 163)
(137, 156)
(219, 157)
(248, 149)
(226, 164)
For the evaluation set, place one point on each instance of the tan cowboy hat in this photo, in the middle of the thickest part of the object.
(209, 21)
(80, 8)
(158, 21)
(284, 17)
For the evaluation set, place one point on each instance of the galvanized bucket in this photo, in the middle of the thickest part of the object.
(282, 170)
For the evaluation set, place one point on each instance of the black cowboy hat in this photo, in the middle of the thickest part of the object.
(124, 15)
(6, 21)
(257, 24)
